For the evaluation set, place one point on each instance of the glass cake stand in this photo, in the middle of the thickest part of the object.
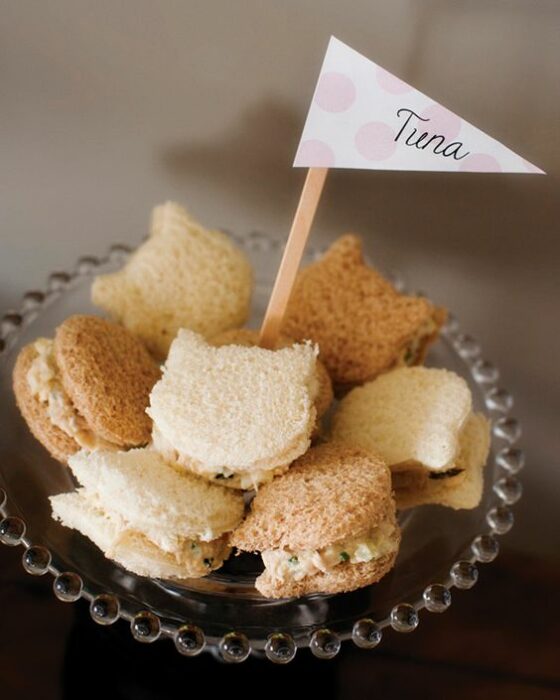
(223, 613)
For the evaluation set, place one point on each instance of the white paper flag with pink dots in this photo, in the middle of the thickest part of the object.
(362, 116)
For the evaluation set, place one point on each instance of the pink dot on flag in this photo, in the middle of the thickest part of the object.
(335, 92)
(314, 153)
(480, 163)
(390, 83)
(375, 141)
(442, 121)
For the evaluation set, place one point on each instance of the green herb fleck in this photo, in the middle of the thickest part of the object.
(344, 556)
(408, 356)
(208, 562)
(293, 560)
(194, 545)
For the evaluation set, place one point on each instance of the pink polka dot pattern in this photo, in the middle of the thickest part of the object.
(315, 153)
(375, 141)
(390, 83)
(480, 163)
(442, 121)
(335, 92)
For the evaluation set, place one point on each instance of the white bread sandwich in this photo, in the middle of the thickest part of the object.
(249, 337)
(235, 415)
(420, 422)
(183, 276)
(326, 526)
(147, 516)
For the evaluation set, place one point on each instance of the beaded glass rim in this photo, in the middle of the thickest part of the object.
(280, 647)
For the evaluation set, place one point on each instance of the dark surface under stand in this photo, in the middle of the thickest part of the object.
(497, 641)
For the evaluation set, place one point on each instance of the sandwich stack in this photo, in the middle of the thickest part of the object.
(190, 442)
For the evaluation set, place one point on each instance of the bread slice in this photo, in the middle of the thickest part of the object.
(164, 504)
(132, 549)
(108, 375)
(362, 325)
(249, 337)
(245, 410)
(411, 415)
(77, 511)
(463, 491)
(35, 412)
(332, 492)
(183, 276)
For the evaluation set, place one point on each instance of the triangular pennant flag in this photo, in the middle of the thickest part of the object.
(362, 116)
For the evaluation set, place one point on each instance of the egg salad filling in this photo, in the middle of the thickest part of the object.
(413, 476)
(247, 480)
(199, 557)
(284, 564)
(44, 382)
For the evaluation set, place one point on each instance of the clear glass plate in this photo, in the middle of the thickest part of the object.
(223, 612)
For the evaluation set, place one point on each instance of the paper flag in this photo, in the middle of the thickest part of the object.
(362, 116)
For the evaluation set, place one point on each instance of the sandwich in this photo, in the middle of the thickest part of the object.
(183, 276)
(87, 387)
(232, 414)
(147, 516)
(361, 323)
(421, 422)
(326, 526)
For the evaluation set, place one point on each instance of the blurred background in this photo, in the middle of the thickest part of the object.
(108, 108)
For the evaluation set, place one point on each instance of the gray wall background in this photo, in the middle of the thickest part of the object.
(107, 108)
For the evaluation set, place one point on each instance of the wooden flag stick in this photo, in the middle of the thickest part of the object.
(301, 225)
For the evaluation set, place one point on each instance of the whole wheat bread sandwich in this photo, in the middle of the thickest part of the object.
(88, 387)
(326, 526)
(232, 414)
(362, 324)
(183, 276)
(147, 516)
(421, 423)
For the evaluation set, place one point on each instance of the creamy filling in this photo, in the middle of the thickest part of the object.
(248, 480)
(411, 352)
(414, 476)
(191, 552)
(285, 564)
(43, 379)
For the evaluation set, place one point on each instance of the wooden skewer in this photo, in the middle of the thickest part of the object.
(301, 225)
